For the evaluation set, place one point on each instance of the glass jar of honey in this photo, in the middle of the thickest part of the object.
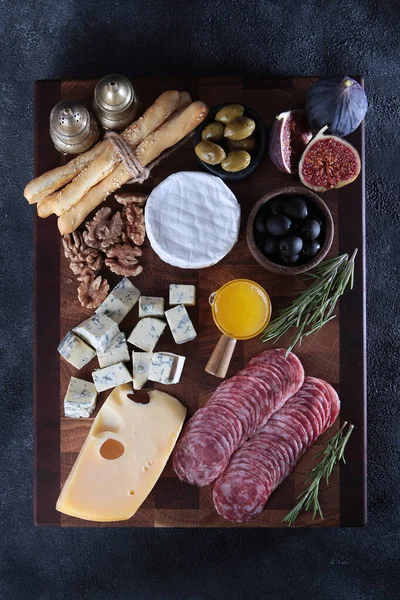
(241, 310)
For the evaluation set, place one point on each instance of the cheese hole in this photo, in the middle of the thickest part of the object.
(139, 397)
(112, 449)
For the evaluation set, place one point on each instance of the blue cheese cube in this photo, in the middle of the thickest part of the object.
(110, 377)
(182, 294)
(75, 350)
(151, 306)
(147, 333)
(80, 399)
(166, 367)
(117, 352)
(98, 331)
(119, 301)
(180, 324)
(141, 362)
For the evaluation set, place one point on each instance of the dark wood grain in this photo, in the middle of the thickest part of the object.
(46, 387)
(337, 354)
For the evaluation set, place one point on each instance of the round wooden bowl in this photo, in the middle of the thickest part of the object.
(285, 269)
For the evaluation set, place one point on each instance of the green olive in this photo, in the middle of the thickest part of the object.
(240, 128)
(227, 113)
(247, 144)
(210, 153)
(237, 160)
(213, 132)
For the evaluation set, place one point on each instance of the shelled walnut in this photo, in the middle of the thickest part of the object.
(122, 260)
(103, 231)
(82, 259)
(135, 198)
(134, 227)
(92, 291)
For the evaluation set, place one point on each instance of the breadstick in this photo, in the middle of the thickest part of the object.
(184, 100)
(53, 180)
(154, 116)
(174, 130)
(60, 202)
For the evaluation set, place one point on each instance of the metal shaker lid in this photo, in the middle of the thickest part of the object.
(69, 120)
(72, 128)
(114, 93)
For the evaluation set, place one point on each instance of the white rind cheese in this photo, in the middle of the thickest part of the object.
(117, 352)
(141, 362)
(119, 301)
(123, 456)
(192, 220)
(180, 324)
(80, 399)
(151, 306)
(166, 367)
(147, 333)
(75, 350)
(110, 377)
(98, 331)
(182, 294)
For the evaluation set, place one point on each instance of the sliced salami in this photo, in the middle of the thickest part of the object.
(273, 452)
(240, 494)
(237, 408)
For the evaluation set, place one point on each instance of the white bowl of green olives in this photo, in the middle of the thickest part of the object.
(290, 230)
(230, 142)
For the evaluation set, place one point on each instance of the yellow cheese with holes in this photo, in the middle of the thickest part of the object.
(123, 456)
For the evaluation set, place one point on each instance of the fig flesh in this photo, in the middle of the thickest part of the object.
(289, 136)
(328, 162)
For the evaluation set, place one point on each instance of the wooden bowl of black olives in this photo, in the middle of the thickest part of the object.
(230, 142)
(289, 231)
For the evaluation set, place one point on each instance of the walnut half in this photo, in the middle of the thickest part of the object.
(134, 198)
(103, 230)
(92, 291)
(122, 260)
(134, 227)
(82, 259)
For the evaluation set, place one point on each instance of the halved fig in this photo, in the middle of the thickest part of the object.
(289, 136)
(328, 162)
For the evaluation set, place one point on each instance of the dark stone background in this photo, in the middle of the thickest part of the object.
(72, 39)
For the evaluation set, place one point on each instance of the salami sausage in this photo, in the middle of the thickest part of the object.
(234, 412)
(263, 461)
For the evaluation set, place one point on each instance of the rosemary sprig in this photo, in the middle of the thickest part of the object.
(313, 308)
(333, 453)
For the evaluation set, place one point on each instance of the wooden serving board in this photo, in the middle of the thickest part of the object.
(336, 354)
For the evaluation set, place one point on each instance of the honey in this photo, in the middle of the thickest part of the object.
(241, 309)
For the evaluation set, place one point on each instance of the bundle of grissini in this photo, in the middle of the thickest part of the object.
(72, 191)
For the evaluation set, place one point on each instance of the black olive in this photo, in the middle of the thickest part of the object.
(259, 224)
(274, 207)
(270, 245)
(291, 259)
(290, 244)
(278, 225)
(295, 207)
(310, 249)
(315, 216)
(310, 229)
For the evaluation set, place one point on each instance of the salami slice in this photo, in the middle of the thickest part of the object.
(234, 412)
(241, 496)
(238, 494)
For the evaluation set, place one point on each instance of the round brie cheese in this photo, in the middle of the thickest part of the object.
(192, 220)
